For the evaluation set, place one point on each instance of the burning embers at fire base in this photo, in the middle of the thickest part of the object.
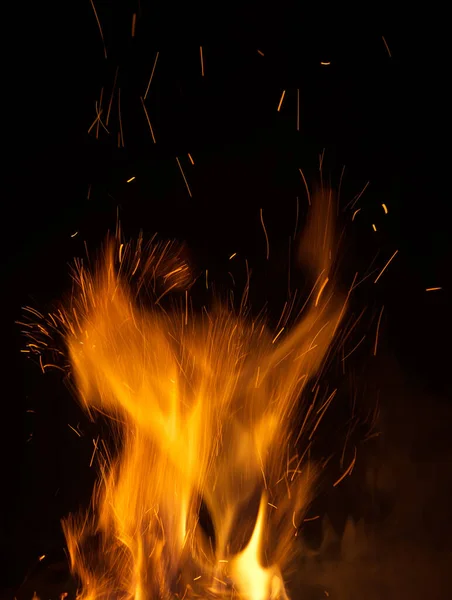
(203, 407)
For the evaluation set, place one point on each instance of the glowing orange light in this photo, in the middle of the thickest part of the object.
(201, 405)
(281, 100)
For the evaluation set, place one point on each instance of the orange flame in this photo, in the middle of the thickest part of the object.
(203, 409)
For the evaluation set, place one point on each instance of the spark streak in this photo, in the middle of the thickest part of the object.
(202, 61)
(322, 287)
(306, 186)
(121, 135)
(386, 46)
(385, 267)
(148, 119)
(347, 472)
(183, 175)
(378, 329)
(152, 75)
(265, 233)
(100, 27)
(111, 97)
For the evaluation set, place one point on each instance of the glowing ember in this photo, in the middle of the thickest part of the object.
(203, 409)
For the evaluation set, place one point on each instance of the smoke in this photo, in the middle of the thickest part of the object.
(398, 545)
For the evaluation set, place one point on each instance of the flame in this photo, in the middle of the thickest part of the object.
(203, 409)
(254, 581)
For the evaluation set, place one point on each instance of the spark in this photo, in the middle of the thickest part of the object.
(281, 101)
(42, 557)
(293, 520)
(207, 279)
(232, 255)
(74, 430)
(374, 227)
(347, 335)
(384, 268)
(99, 112)
(134, 20)
(433, 289)
(148, 119)
(272, 505)
(277, 335)
(347, 472)
(120, 135)
(352, 202)
(74, 234)
(378, 329)
(298, 110)
(131, 179)
(100, 28)
(325, 63)
(196, 578)
(183, 175)
(265, 233)
(95, 442)
(385, 208)
(306, 186)
(98, 121)
(111, 97)
(191, 159)
(89, 192)
(346, 301)
(322, 410)
(386, 46)
(320, 291)
(152, 75)
(321, 157)
(136, 267)
(309, 519)
(202, 61)
(355, 213)
(354, 348)
(260, 52)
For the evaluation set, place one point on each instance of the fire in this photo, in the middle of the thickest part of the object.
(203, 408)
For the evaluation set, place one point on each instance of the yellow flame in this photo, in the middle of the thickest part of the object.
(202, 407)
(254, 581)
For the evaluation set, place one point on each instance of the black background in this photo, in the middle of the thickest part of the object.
(382, 117)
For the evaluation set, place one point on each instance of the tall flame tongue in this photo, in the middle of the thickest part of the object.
(202, 409)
